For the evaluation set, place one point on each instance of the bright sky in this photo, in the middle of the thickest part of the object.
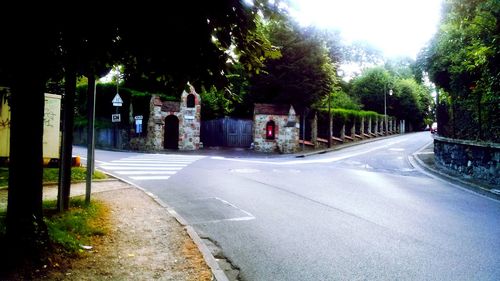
(397, 27)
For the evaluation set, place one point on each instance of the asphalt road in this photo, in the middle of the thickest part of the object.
(360, 213)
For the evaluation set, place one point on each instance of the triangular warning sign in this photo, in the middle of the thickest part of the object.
(117, 99)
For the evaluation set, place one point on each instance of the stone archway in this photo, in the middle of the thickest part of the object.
(171, 132)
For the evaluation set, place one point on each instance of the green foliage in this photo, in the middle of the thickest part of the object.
(159, 54)
(347, 115)
(370, 87)
(463, 59)
(340, 99)
(52, 175)
(215, 104)
(403, 68)
(74, 228)
(410, 100)
(302, 76)
(105, 93)
(77, 174)
(340, 117)
(169, 50)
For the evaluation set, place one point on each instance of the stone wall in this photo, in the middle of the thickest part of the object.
(156, 124)
(189, 121)
(471, 159)
(189, 117)
(286, 133)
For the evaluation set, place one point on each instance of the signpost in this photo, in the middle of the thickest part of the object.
(117, 101)
(138, 124)
(115, 118)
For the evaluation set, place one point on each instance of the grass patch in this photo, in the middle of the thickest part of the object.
(52, 175)
(67, 232)
(77, 174)
(78, 226)
(4, 176)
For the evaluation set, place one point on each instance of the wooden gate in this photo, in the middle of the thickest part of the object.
(229, 132)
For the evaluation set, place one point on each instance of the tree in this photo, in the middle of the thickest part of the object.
(370, 87)
(463, 59)
(340, 99)
(27, 60)
(171, 45)
(302, 76)
(410, 101)
(402, 68)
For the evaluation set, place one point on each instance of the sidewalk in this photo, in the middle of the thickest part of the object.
(425, 159)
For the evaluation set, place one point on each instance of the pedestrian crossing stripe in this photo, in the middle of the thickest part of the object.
(150, 177)
(146, 172)
(149, 167)
(114, 168)
(144, 164)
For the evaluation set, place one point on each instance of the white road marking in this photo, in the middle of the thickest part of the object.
(149, 167)
(145, 165)
(244, 171)
(150, 177)
(314, 161)
(148, 162)
(146, 172)
(114, 168)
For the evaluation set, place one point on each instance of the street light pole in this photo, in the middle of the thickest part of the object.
(385, 110)
(329, 121)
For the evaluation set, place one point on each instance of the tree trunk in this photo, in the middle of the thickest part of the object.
(26, 230)
(67, 138)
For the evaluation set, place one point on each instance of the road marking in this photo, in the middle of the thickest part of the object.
(244, 171)
(150, 177)
(314, 161)
(145, 165)
(146, 172)
(195, 210)
(114, 168)
(150, 166)
(150, 161)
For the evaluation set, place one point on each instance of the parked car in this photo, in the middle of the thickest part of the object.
(434, 128)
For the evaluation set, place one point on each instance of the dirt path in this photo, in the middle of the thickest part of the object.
(144, 242)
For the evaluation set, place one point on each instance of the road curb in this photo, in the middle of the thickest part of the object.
(464, 185)
(217, 273)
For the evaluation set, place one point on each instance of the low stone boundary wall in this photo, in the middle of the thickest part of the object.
(472, 159)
